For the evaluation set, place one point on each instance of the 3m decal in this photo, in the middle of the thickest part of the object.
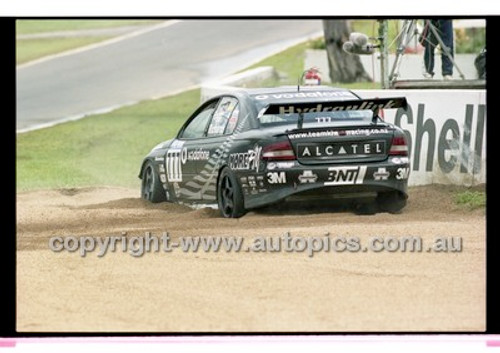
(308, 176)
(402, 173)
(276, 177)
(346, 175)
(381, 174)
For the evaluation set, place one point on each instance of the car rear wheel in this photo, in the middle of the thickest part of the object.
(392, 202)
(229, 195)
(151, 189)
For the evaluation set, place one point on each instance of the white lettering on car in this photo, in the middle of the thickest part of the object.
(246, 160)
(346, 175)
(402, 173)
(276, 177)
(173, 163)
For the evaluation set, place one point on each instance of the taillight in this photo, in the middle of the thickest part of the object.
(399, 146)
(278, 151)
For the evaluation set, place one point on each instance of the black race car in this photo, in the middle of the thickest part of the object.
(255, 147)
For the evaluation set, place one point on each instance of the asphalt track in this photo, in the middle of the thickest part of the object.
(152, 64)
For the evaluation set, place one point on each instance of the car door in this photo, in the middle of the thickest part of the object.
(209, 152)
(180, 163)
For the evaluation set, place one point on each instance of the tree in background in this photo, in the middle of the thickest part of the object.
(343, 67)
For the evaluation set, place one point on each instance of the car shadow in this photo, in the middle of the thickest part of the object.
(302, 208)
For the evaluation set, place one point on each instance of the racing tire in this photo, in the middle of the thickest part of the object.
(229, 195)
(151, 188)
(392, 202)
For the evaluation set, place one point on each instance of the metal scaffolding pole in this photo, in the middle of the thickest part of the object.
(384, 53)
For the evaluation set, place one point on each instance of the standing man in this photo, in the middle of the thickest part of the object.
(429, 41)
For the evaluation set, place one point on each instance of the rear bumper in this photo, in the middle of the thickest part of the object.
(280, 180)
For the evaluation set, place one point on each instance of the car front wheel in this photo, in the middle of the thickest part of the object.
(151, 188)
(229, 195)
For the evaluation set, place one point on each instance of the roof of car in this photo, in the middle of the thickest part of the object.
(265, 96)
(290, 89)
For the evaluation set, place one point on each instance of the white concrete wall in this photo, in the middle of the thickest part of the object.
(448, 134)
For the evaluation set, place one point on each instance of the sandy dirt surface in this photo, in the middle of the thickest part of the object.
(247, 291)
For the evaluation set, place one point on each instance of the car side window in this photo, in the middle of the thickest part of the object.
(233, 120)
(197, 126)
(222, 116)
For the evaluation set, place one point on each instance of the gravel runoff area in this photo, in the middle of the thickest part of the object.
(247, 291)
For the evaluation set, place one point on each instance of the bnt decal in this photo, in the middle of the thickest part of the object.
(346, 175)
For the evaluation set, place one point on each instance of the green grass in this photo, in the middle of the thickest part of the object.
(31, 49)
(471, 199)
(100, 150)
(470, 40)
(108, 149)
(40, 26)
(290, 65)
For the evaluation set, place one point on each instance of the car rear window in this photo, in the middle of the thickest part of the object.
(316, 119)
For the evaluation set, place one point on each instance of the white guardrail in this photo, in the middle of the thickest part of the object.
(446, 128)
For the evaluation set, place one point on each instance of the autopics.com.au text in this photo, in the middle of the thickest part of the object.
(137, 246)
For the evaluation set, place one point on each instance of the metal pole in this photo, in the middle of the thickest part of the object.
(384, 53)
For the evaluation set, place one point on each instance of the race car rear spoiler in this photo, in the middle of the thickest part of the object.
(359, 104)
(301, 108)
